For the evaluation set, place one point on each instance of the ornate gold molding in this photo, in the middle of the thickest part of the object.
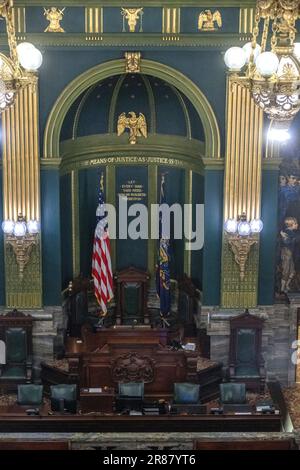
(132, 62)
(241, 247)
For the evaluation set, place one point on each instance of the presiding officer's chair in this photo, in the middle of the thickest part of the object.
(64, 398)
(130, 397)
(30, 394)
(16, 333)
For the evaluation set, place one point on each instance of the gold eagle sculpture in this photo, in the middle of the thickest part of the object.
(136, 124)
(207, 19)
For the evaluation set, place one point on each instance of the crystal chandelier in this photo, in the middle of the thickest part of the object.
(273, 76)
(17, 70)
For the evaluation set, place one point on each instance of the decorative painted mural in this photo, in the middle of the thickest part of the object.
(288, 245)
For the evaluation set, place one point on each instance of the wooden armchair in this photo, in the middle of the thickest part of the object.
(16, 333)
(246, 364)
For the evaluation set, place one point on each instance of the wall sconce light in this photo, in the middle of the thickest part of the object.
(241, 235)
(22, 236)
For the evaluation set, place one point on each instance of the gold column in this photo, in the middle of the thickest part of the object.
(21, 193)
(242, 191)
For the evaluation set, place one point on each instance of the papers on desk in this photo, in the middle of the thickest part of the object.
(189, 346)
(95, 390)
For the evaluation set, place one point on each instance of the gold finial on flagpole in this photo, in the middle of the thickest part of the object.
(102, 182)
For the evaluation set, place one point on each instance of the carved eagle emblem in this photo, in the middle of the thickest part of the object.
(136, 124)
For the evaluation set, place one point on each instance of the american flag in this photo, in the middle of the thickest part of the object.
(101, 261)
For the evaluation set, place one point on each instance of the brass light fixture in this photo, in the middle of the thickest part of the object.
(22, 236)
(19, 69)
(273, 75)
(241, 235)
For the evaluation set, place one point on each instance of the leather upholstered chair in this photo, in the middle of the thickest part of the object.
(233, 393)
(186, 393)
(30, 394)
(131, 389)
(64, 397)
(16, 333)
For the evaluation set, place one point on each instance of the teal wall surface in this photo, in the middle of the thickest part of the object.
(88, 201)
(2, 271)
(66, 229)
(213, 230)
(51, 241)
(268, 237)
(197, 255)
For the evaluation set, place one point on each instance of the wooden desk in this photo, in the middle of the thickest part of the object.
(20, 422)
(97, 401)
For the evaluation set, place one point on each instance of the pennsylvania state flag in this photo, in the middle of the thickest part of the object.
(163, 279)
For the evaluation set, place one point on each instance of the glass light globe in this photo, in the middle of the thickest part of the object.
(230, 226)
(20, 229)
(8, 226)
(279, 135)
(235, 59)
(267, 63)
(247, 48)
(33, 226)
(30, 57)
(256, 225)
(244, 228)
(297, 50)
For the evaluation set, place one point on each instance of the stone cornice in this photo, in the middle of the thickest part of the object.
(135, 3)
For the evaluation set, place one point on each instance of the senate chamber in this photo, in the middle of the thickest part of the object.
(150, 211)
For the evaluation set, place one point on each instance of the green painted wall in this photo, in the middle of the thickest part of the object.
(51, 241)
(66, 229)
(213, 229)
(268, 238)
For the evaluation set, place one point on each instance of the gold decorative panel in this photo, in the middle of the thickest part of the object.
(20, 19)
(94, 20)
(171, 20)
(246, 20)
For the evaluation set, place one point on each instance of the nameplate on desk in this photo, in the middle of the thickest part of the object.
(95, 390)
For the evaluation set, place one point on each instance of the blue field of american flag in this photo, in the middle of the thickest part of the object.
(101, 260)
